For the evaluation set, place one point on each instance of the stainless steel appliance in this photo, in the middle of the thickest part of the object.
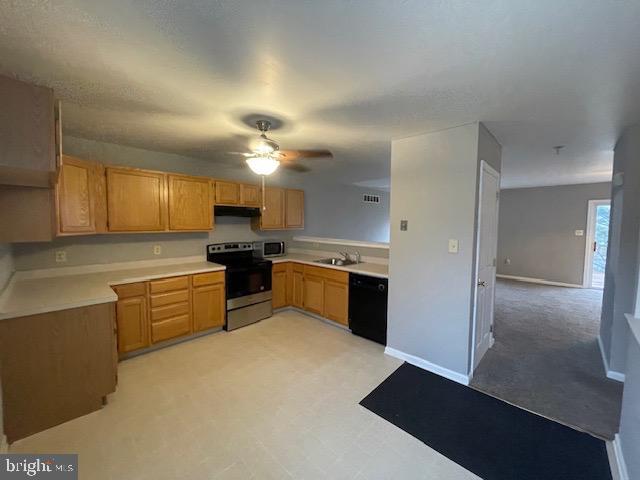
(368, 307)
(268, 248)
(248, 283)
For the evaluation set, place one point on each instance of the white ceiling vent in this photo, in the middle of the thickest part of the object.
(368, 198)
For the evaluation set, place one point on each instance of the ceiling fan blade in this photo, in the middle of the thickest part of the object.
(244, 154)
(288, 155)
(296, 167)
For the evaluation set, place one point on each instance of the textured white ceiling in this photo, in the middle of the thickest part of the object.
(345, 75)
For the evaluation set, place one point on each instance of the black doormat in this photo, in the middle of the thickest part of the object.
(486, 436)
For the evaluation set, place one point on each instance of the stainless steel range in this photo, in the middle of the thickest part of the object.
(248, 283)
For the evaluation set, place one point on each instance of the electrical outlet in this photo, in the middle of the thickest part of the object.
(157, 249)
(453, 245)
(61, 256)
(404, 225)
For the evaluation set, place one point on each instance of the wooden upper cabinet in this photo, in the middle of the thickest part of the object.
(189, 203)
(27, 134)
(227, 193)
(273, 217)
(294, 209)
(136, 200)
(250, 195)
(80, 197)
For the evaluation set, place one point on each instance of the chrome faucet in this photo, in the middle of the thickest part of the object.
(358, 257)
(344, 255)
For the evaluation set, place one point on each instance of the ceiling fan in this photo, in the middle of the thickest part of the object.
(266, 155)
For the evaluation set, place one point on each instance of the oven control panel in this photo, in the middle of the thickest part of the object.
(229, 247)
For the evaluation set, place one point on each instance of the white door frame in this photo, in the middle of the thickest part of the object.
(484, 167)
(587, 271)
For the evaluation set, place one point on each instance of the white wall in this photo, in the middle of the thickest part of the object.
(434, 185)
(621, 275)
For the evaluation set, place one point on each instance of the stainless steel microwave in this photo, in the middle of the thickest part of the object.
(268, 248)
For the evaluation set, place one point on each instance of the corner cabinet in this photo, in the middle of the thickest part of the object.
(80, 197)
(136, 200)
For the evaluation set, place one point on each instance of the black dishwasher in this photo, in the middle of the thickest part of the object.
(368, 307)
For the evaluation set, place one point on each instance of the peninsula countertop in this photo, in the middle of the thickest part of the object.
(30, 294)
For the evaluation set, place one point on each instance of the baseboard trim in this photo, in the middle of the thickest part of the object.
(427, 365)
(621, 465)
(611, 374)
(540, 281)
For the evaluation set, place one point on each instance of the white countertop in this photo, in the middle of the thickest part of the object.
(41, 294)
(34, 292)
(379, 270)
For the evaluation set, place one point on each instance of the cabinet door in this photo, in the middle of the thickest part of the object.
(189, 203)
(294, 209)
(279, 285)
(136, 200)
(250, 195)
(314, 294)
(336, 301)
(76, 196)
(227, 193)
(133, 324)
(208, 307)
(297, 288)
(273, 216)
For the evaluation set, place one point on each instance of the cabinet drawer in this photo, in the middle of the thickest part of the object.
(170, 328)
(160, 313)
(130, 290)
(166, 285)
(208, 278)
(280, 267)
(169, 298)
(327, 273)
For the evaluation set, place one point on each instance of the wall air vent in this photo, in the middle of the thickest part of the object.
(368, 198)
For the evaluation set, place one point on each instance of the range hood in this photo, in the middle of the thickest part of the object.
(229, 211)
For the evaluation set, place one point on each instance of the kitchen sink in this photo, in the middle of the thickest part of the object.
(336, 261)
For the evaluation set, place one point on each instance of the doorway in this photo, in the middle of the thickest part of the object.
(597, 243)
(486, 246)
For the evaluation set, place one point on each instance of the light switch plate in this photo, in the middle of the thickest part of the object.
(404, 224)
(453, 245)
(579, 233)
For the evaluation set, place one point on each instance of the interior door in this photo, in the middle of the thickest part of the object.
(487, 243)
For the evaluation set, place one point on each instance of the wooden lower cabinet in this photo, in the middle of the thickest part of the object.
(319, 290)
(164, 309)
(133, 324)
(297, 285)
(279, 285)
(336, 301)
(209, 307)
(56, 366)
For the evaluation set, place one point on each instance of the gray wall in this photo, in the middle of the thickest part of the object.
(536, 231)
(434, 179)
(331, 210)
(621, 275)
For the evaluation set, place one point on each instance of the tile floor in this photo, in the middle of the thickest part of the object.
(278, 399)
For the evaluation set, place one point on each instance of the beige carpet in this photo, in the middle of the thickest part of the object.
(546, 357)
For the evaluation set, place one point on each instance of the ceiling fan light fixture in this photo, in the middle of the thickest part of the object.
(263, 165)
